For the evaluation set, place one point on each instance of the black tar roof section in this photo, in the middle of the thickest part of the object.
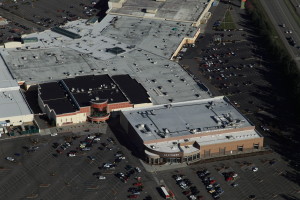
(135, 92)
(61, 106)
(100, 87)
(54, 96)
(51, 91)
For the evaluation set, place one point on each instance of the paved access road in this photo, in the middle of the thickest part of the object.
(280, 14)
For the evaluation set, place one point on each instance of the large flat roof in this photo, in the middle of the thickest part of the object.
(164, 80)
(13, 104)
(185, 119)
(156, 36)
(176, 10)
(56, 57)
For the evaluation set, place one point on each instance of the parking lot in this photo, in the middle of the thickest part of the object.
(31, 16)
(268, 182)
(68, 166)
(234, 63)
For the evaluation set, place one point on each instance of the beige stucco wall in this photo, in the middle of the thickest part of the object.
(12, 44)
(76, 118)
(18, 120)
(204, 12)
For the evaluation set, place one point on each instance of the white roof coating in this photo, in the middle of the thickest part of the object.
(156, 36)
(169, 9)
(6, 80)
(186, 118)
(12, 104)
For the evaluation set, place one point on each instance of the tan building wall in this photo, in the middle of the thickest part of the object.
(18, 120)
(186, 40)
(206, 9)
(13, 44)
(70, 119)
(116, 4)
(142, 105)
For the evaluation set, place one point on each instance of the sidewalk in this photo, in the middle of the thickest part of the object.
(168, 166)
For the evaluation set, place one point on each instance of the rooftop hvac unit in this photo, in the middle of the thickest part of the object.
(166, 130)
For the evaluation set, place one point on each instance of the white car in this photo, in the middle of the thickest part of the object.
(138, 169)
(192, 197)
(71, 154)
(107, 165)
(53, 134)
(97, 138)
(102, 177)
(10, 159)
(254, 169)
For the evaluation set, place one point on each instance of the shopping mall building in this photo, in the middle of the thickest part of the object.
(190, 131)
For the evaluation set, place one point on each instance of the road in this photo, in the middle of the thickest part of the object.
(279, 14)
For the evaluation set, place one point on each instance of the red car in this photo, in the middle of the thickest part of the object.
(212, 182)
(229, 178)
(187, 192)
(60, 151)
(138, 184)
(133, 196)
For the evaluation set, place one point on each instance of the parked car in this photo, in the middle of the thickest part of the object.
(138, 184)
(187, 192)
(91, 157)
(133, 196)
(254, 169)
(234, 184)
(138, 169)
(11, 159)
(102, 177)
